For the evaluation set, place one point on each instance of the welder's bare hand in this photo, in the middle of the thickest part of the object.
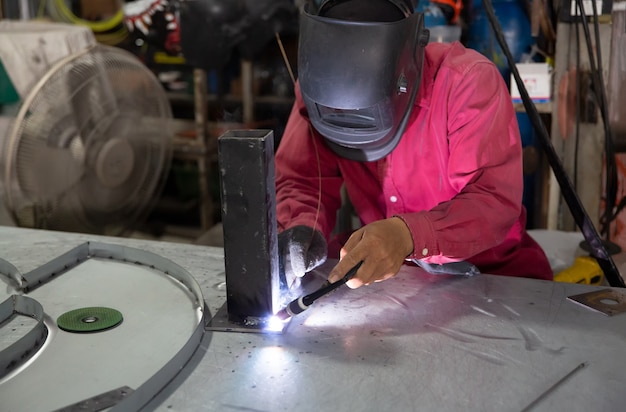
(382, 246)
(300, 250)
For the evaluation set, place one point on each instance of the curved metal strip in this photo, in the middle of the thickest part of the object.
(152, 260)
(149, 389)
(25, 347)
(16, 280)
(142, 395)
(44, 273)
(56, 267)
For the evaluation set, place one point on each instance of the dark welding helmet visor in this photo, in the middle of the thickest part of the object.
(359, 71)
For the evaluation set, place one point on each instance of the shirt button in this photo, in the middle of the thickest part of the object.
(393, 199)
(425, 251)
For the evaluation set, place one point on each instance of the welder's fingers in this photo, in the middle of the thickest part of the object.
(381, 245)
(374, 270)
(357, 283)
(316, 252)
(296, 261)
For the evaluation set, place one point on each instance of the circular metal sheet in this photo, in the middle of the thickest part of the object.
(163, 323)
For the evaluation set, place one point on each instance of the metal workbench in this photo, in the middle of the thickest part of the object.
(415, 342)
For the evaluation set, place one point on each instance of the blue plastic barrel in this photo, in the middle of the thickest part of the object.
(515, 23)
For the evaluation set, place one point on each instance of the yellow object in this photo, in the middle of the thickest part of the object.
(164, 58)
(110, 31)
(585, 270)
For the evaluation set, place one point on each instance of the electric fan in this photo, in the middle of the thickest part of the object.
(90, 146)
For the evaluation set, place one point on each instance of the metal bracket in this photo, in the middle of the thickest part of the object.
(607, 301)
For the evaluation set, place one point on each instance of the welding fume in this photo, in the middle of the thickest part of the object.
(424, 138)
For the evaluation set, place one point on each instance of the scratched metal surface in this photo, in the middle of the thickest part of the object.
(416, 342)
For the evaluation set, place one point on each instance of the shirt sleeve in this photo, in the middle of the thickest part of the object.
(484, 166)
(308, 180)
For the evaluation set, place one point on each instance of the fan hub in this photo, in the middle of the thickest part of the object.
(115, 162)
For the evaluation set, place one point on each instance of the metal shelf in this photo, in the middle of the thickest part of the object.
(541, 107)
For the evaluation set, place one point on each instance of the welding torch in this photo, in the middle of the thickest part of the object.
(303, 302)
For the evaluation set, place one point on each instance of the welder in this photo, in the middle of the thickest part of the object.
(422, 136)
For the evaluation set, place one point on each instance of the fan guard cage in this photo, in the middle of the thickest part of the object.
(90, 148)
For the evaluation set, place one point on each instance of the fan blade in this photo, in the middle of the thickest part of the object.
(55, 171)
(92, 97)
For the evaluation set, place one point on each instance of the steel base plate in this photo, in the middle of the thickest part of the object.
(221, 323)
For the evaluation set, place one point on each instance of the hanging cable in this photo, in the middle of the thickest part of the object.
(578, 89)
(598, 85)
(597, 249)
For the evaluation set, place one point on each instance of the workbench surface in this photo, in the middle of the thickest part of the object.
(415, 342)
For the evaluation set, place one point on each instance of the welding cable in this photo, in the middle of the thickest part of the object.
(301, 304)
(581, 217)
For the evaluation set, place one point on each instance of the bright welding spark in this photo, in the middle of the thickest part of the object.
(274, 324)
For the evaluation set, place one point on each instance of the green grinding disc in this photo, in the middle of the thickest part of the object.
(92, 319)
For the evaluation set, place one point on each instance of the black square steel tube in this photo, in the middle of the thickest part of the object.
(248, 201)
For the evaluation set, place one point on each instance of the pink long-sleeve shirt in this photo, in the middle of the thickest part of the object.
(455, 178)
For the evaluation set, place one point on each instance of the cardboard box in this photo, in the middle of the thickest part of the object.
(29, 48)
(537, 78)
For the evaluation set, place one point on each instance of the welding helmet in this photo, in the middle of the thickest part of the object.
(360, 67)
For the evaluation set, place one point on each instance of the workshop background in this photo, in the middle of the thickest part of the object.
(199, 68)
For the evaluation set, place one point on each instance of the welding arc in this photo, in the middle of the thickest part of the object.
(303, 302)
